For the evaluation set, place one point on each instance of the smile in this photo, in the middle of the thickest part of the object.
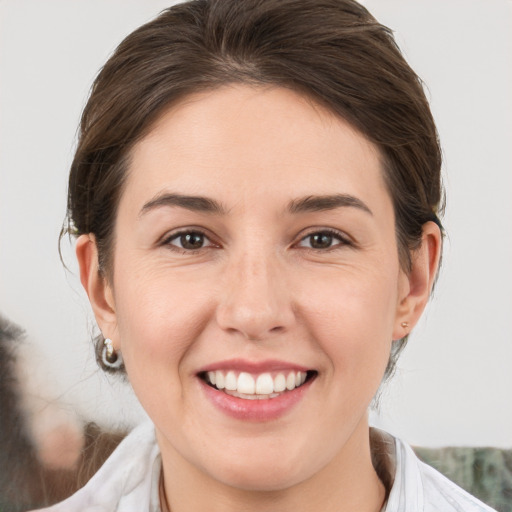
(255, 391)
(256, 387)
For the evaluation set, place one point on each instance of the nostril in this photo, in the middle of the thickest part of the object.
(260, 336)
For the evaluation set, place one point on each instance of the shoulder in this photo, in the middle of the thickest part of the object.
(439, 490)
(126, 480)
(419, 487)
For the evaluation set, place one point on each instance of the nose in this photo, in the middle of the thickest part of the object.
(256, 301)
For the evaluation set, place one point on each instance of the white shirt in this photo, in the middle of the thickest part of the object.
(128, 482)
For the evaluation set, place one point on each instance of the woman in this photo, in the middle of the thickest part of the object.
(255, 196)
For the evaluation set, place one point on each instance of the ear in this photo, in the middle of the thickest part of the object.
(415, 286)
(97, 287)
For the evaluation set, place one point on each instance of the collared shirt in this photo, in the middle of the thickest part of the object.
(128, 482)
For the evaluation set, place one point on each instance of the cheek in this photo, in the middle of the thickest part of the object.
(159, 314)
(159, 322)
(351, 316)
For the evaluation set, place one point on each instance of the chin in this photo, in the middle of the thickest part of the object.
(263, 469)
(260, 478)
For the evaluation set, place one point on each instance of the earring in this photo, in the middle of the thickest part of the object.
(405, 325)
(109, 357)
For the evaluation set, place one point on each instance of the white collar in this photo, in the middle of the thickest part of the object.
(129, 479)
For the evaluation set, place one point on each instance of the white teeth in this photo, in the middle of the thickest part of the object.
(219, 380)
(231, 381)
(290, 381)
(279, 383)
(264, 384)
(245, 384)
(251, 387)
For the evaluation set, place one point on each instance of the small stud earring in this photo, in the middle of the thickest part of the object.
(405, 325)
(109, 357)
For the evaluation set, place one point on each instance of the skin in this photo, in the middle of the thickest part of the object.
(258, 290)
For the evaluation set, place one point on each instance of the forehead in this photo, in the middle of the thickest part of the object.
(243, 143)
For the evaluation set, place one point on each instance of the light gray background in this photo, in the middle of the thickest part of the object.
(455, 379)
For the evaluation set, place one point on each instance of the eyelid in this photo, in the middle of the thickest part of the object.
(344, 239)
(166, 239)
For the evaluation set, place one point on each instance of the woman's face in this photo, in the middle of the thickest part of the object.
(255, 248)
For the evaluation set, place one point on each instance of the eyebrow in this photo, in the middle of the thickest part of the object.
(193, 203)
(300, 205)
(327, 202)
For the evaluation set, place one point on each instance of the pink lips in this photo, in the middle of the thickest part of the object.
(269, 365)
(254, 410)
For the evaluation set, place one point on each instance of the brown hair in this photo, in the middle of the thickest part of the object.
(332, 51)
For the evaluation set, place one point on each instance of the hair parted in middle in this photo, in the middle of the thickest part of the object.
(331, 51)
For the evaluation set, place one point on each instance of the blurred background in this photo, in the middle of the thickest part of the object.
(454, 382)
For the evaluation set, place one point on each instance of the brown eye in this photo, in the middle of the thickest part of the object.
(322, 240)
(190, 240)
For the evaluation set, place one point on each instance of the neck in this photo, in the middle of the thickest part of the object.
(348, 483)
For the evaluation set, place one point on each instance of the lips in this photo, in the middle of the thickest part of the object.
(255, 391)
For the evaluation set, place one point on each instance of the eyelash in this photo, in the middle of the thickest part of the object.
(167, 241)
(343, 240)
